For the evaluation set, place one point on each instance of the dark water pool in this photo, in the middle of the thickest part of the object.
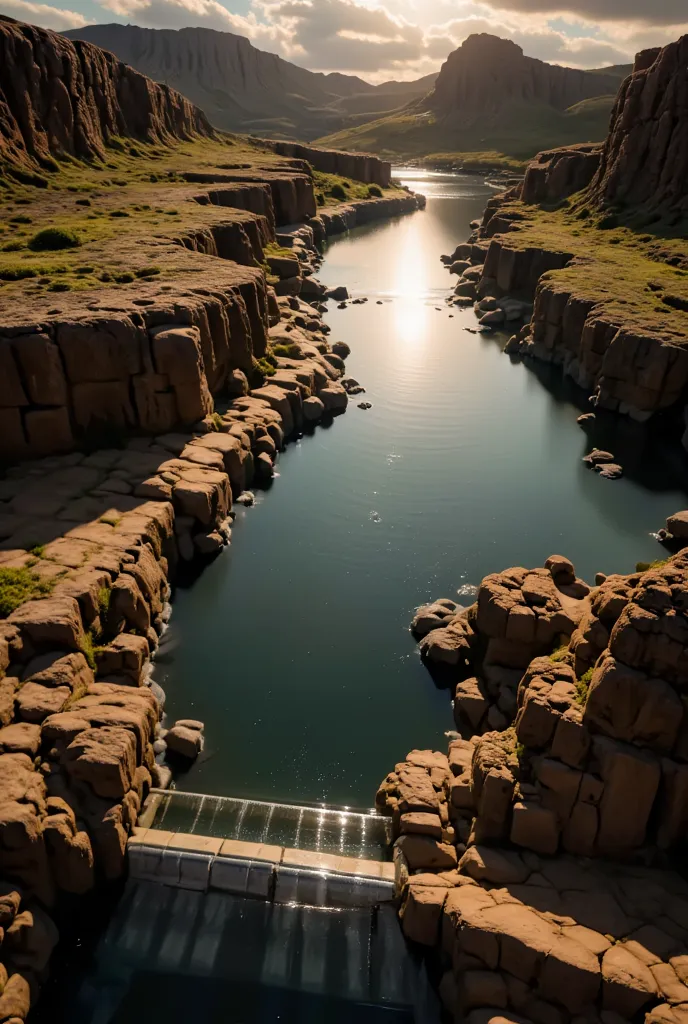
(293, 646)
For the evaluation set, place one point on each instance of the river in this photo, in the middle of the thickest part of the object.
(293, 646)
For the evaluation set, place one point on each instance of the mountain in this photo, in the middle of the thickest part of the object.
(59, 97)
(245, 89)
(490, 98)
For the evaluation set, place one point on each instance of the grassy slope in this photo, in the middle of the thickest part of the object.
(626, 269)
(517, 133)
(137, 193)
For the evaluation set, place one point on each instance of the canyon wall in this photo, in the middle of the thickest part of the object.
(59, 97)
(360, 166)
(644, 162)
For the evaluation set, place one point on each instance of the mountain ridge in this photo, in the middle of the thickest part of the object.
(489, 98)
(245, 89)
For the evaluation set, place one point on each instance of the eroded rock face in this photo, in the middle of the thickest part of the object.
(557, 173)
(58, 97)
(644, 162)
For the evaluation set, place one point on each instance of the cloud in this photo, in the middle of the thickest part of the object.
(194, 14)
(42, 14)
(343, 34)
(665, 12)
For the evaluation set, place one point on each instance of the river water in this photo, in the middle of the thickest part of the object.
(293, 646)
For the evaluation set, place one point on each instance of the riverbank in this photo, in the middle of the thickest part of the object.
(155, 358)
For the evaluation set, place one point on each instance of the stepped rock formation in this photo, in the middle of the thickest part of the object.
(533, 857)
(487, 74)
(59, 97)
(645, 159)
(242, 88)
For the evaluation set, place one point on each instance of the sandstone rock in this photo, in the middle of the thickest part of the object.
(20, 738)
(485, 863)
(625, 704)
(105, 759)
(482, 988)
(677, 525)
(422, 824)
(423, 852)
(421, 912)
(627, 984)
(185, 740)
(15, 1000)
(534, 827)
(313, 409)
(52, 622)
(447, 646)
(631, 779)
(471, 702)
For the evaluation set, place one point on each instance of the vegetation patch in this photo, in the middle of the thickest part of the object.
(50, 239)
(18, 586)
(583, 688)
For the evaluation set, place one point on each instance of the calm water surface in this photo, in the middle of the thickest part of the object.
(293, 646)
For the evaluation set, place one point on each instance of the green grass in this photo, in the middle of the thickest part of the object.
(648, 566)
(336, 189)
(517, 132)
(18, 586)
(626, 272)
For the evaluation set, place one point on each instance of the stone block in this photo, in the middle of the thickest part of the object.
(631, 779)
(48, 431)
(39, 358)
(535, 827)
(627, 984)
(421, 913)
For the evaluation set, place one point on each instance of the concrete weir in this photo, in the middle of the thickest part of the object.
(274, 873)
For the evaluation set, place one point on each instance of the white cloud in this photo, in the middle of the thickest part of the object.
(42, 14)
(383, 39)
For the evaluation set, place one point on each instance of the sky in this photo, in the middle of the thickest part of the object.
(384, 39)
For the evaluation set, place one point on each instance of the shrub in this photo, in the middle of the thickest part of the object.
(374, 192)
(292, 351)
(12, 247)
(609, 221)
(338, 192)
(17, 273)
(59, 286)
(21, 218)
(125, 278)
(18, 586)
(54, 238)
(83, 202)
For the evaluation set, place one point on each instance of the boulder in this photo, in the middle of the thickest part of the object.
(486, 863)
(627, 984)
(424, 853)
(185, 739)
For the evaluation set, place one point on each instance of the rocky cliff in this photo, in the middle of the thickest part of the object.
(487, 74)
(534, 858)
(242, 88)
(645, 158)
(58, 98)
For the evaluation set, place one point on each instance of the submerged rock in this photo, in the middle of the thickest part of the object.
(597, 456)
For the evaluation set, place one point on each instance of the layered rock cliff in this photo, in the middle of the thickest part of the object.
(58, 98)
(487, 74)
(645, 159)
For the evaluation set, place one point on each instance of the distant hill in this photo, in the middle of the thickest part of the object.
(244, 89)
(490, 98)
